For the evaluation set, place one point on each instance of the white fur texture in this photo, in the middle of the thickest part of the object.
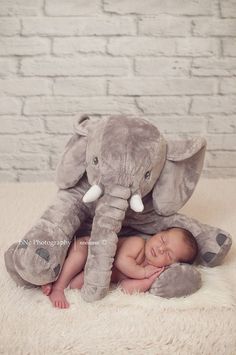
(203, 323)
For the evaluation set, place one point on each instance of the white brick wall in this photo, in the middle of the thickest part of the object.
(171, 61)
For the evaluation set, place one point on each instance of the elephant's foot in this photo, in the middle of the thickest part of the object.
(92, 293)
(176, 281)
(8, 256)
(37, 265)
(33, 261)
(219, 246)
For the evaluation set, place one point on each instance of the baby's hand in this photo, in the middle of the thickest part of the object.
(152, 278)
(151, 270)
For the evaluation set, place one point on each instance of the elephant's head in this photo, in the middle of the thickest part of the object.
(131, 152)
(125, 158)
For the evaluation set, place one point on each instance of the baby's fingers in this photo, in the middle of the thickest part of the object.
(159, 271)
(162, 269)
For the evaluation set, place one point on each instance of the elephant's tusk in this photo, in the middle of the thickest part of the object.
(136, 203)
(92, 194)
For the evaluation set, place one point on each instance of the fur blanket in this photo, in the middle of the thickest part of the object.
(203, 323)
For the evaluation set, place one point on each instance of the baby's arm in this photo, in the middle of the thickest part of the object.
(130, 285)
(125, 259)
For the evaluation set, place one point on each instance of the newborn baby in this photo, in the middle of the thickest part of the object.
(137, 263)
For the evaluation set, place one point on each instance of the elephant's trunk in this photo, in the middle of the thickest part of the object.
(95, 192)
(107, 222)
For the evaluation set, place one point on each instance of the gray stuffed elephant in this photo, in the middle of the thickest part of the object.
(118, 176)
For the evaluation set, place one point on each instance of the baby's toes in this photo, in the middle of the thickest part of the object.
(57, 304)
(66, 304)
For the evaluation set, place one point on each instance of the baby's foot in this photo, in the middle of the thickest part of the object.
(58, 298)
(77, 281)
(47, 289)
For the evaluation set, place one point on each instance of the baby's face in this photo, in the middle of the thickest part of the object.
(166, 248)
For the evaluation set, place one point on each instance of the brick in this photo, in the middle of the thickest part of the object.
(79, 45)
(20, 124)
(179, 124)
(229, 47)
(191, 46)
(163, 105)
(36, 176)
(164, 66)
(72, 7)
(54, 160)
(80, 87)
(41, 143)
(221, 159)
(228, 86)
(9, 105)
(214, 172)
(157, 86)
(214, 66)
(214, 104)
(24, 46)
(8, 176)
(25, 87)
(8, 66)
(91, 65)
(228, 8)
(222, 124)
(20, 7)
(162, 46)
(61, 124)
(85, 26)
(141, 46)
(221, 141)
(176, 7)
(214, 27)
(68, 106)
(9, 26)
(165, 26)
(23, 161)
(8, 144)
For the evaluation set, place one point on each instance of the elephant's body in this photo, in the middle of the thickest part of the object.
(38, 259)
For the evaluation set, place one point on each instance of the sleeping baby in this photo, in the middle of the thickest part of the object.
(137, 263)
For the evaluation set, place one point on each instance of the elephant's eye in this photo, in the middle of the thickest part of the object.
(147, 175)
(95, 160)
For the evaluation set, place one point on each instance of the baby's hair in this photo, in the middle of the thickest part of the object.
(192, 245)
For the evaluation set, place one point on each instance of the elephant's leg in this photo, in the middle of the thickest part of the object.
(8, 256)
(109, 214)
(38, 258)
(214, 243)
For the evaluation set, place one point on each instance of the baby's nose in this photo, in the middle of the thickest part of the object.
(162, 249)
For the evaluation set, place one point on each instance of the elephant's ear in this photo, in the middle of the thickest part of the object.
(179, 176)
(72, 164)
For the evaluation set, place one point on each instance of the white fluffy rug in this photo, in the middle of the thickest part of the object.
(203, 323)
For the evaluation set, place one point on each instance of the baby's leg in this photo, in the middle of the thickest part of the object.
(73, 264)
(77, 281)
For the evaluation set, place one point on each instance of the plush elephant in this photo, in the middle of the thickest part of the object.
(118, 176)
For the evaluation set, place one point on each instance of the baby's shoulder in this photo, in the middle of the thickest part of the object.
(131, 246)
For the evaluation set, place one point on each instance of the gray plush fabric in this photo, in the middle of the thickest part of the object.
(168, 285)
(126, 158)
